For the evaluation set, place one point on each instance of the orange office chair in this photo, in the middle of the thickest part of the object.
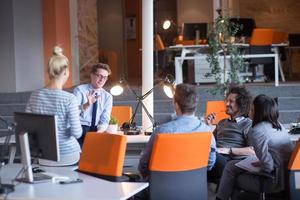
(260, 43)
(122, 114)
(178, 166)
(294, 171)
(103, 156)
(279, 37)
(217, 107)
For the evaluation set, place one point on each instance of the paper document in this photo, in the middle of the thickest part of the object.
(223, 150)
(246, 164)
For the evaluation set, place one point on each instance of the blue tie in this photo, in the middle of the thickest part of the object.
(94, 113)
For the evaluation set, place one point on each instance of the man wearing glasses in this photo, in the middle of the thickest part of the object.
(94, 102)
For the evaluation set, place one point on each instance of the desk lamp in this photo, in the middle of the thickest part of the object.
(130, 127)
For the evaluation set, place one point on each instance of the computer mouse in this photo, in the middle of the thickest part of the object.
(37, 170)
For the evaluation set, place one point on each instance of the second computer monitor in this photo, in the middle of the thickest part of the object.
(245, 26)
(190, 30)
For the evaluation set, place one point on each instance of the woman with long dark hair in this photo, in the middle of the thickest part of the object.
(272, 146)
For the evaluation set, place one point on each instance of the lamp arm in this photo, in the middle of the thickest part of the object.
(144, 96)
(135, 111)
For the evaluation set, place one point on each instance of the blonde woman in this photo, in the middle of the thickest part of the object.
(55, 101)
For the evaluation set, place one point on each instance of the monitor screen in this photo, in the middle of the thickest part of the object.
(189, 31)
(246, 26)
(294, 39)
(42, 134)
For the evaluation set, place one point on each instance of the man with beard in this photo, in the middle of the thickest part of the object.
(94, 102)
(231, 133)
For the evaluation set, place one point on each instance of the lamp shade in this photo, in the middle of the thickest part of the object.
(168, 91)
(168, 85)
(116, 90)
(166, 24)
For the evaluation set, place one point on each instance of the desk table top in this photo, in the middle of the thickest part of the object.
(90, 189)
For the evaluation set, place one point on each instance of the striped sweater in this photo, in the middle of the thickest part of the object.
(64, 105)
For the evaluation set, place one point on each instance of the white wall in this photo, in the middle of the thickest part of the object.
(194, 11)
(28, 32)
(7, 61)
(21, 50)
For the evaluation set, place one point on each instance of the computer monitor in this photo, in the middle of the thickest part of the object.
(294, 39)
(246, 26)
(37, 136)
(189, 30)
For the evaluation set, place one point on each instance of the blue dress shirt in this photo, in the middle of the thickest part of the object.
(104, 106)
(181, 124)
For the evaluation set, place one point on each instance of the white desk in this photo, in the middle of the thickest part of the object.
(91, 189)
(137, 138)
(131, 139)
(195, 48)
(293, 137)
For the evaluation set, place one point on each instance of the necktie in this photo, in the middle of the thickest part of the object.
(94, 113)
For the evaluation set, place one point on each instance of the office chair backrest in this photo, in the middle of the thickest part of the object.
(103, 155)
(121, 114)
(159, 45)
(294, 173)
(178, 166)
(217, 107)
(262, 37)
(279, 37)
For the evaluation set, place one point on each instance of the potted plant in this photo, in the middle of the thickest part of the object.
(112, 126)
(221, 46)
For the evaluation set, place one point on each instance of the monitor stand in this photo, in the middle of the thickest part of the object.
(29, 177)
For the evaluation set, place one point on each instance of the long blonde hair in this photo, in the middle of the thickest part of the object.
(57, 63)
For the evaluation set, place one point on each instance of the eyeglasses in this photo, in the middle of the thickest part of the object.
(101, 76)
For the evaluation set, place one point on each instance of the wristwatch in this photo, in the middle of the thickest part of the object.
(230, 151)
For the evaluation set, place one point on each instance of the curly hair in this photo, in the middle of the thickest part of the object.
(97, 66)
(243, 99)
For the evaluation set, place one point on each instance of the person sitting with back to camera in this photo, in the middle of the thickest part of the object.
(53, 100)
(273, 149)
(94, 102)
(184, 103)
(231, 134)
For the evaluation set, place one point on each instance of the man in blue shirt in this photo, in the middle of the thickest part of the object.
(94, 102)
(184, 102)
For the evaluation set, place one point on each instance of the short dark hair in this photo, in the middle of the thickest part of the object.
(243, 99)
(266, 110)
(186, 98)
(97, 66)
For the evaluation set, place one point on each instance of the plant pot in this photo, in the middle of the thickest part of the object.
(112, 128)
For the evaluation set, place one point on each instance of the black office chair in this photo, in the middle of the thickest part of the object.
(267, 62)
(264, 191)
(260, 43)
